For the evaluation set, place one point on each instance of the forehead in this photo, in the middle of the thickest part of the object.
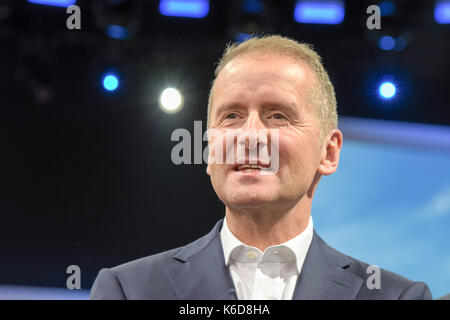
(265, 76)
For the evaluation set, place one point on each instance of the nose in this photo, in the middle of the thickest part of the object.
(253, 122)
(254, 132)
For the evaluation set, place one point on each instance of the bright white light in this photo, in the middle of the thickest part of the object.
(171, 100)
(387, 90)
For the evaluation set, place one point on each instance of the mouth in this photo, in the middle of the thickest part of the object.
(250, 167)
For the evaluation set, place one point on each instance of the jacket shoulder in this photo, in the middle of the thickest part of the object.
(379, 283)
(146, 278)
(154, 261)
(142, 278)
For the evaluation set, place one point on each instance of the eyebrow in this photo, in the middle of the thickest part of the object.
(284, 105)
(228, 106)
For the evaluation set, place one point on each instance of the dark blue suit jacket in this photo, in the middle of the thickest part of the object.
(198, 271)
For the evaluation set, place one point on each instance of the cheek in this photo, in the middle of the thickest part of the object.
(217, 174)
(218, 146)
(290, 150)
(297, 155)
(212, 170)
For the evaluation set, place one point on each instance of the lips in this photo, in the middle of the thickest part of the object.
(246, 167)
(249, 168)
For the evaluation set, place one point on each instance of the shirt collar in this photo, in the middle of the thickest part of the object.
(293, 249)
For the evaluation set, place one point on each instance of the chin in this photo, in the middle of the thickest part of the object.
(249, 199)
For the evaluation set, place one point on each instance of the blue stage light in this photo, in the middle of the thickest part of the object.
(241, 37)
(387, 90)
(110, 82)
(184, 8)
(253, 6)
(386, 43)
(442, 12)
(321, 12)
(387, 8)
(400, 43)
(55, 3)
(117, 32)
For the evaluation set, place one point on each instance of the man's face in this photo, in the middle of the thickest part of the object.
(266, 91)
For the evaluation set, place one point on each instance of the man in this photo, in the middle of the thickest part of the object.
(266, 247)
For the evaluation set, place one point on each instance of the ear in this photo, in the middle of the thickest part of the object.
(331, 149)
(208, 170)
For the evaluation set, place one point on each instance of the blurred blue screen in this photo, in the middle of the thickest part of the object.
(389, 205)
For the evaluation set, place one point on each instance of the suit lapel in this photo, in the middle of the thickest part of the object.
(200, 271)
(323, 275)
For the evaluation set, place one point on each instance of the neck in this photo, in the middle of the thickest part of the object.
(267, 226)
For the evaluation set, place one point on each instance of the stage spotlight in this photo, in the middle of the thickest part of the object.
(253, 6)
(320, 11)
(117, 32)
(118, 19)
(247, 18)
(442, 12)
(241, 37)
(110, 82)
(387, 8)
(55, 3)
(386, 43)
(400, 44)
(387, 90)
(184, 8)
(171, 100)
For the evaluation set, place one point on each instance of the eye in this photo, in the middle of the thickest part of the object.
(278, 116)
(231, 116)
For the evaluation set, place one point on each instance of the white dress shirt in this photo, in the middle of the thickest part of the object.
(268, 275)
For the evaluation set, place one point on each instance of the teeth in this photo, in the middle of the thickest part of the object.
(249, 167)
